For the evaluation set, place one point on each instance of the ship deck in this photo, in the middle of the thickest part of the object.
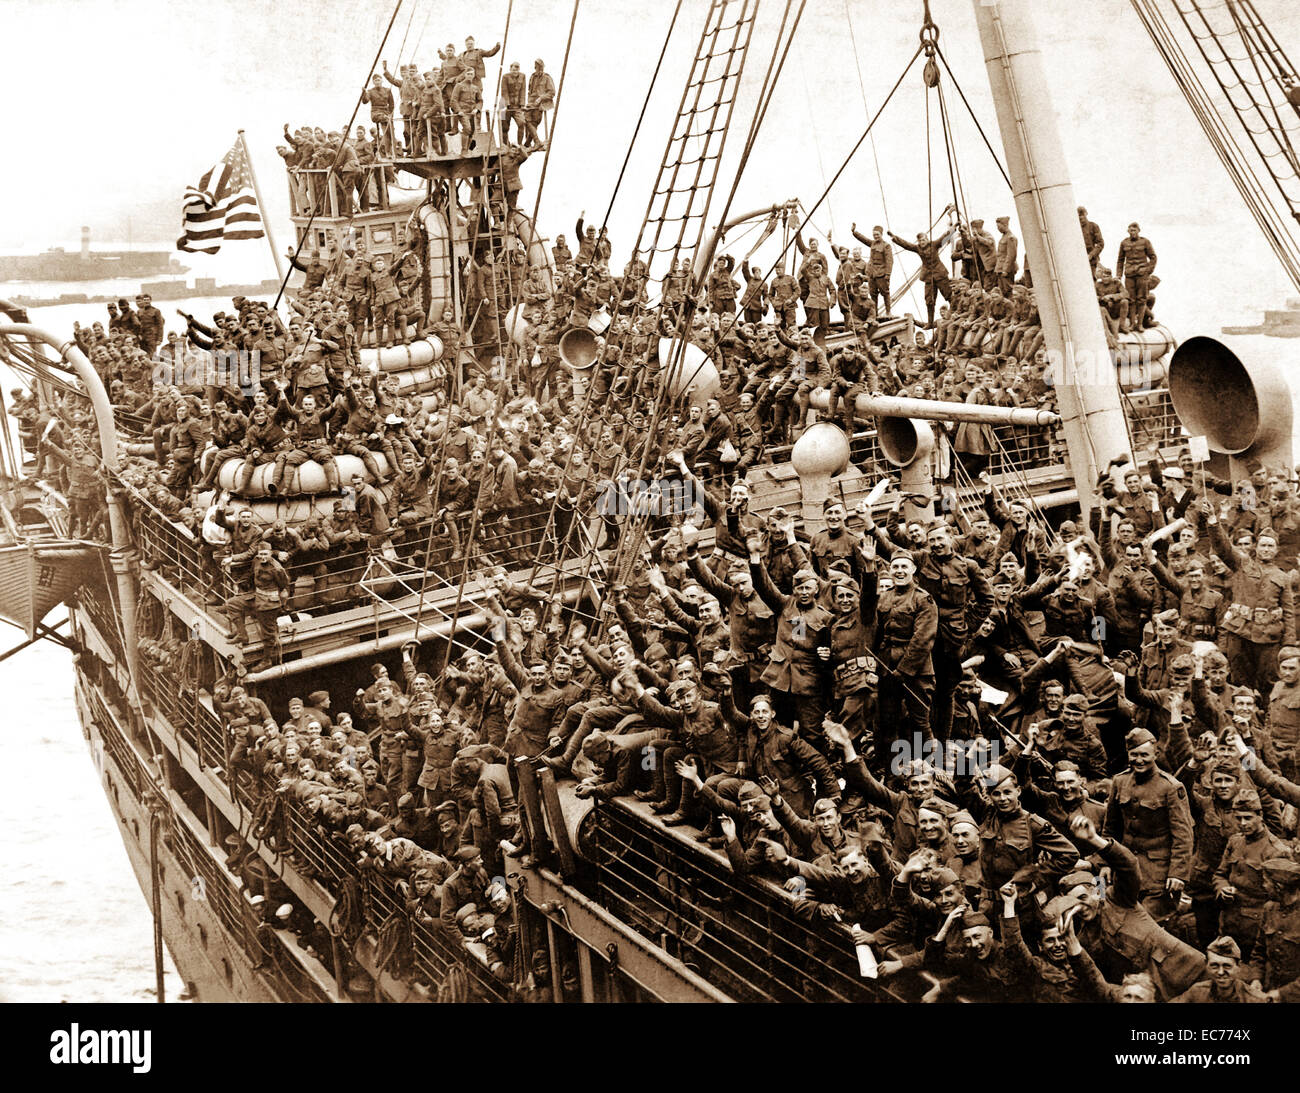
(644, 911)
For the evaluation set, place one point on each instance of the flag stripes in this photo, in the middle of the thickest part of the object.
(212, 214)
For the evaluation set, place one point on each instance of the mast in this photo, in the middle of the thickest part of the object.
(1095, 428)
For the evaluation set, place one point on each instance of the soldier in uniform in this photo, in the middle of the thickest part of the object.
(1072, 736)
(541, 98)
(356, 289)
(1199, 606)
(933, 271)
(784, 294)
(1158, 657)
(880, 267)
(1091, 237)
(834, 542)
(907, 623)
(1239, 883)
(856, 674)
(1007, 263)
(1147, 809)
(753, 300)
(722, 287)
(465, 886)
(1223, 983)
(1261, 615)
(545, 695)
(752, 621)
(1013, 840)
(1117, 929)
(1280, 931)
(151, 323)
(1136, 262)
(697, 730)
(794, 671)
(267, 597)
(1282, 723)
(514, 103)
(439, 740)
(965, 599)
(773, 752)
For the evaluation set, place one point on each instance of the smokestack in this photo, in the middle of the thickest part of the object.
(85, 242)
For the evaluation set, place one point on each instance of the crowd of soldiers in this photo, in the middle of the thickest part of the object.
(326, 169)
(1014, 761)
(1013, 758)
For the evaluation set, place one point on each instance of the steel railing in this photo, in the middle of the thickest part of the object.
(740, 933)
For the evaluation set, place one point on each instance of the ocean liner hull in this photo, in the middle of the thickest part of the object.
(215, 952)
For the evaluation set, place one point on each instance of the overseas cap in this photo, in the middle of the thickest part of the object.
(995, 775)
(1224, 946)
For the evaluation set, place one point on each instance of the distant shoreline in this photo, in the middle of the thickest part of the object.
(158, 290)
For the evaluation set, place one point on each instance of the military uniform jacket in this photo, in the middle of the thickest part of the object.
(932, 266)
(1280, 933)
(1011, 843)
(1083, 747)
(1214, 826)
(1262, 607)
(1238, 991)
(1130, 933)
(537, 710)
(704, 732)
(1153, 819)
(1155, 667)
(960, 591)
(1283, 720)
(827, 547)
(793, 664)
(907, 622)
(1242, 866)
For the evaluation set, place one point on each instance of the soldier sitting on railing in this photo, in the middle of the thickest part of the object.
(463, 891)
(228, 432)
(855, 893)
(732, 799)
(356, 427)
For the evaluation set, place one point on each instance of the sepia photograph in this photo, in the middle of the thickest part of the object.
(600, 501)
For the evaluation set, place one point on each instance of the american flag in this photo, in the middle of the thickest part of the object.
(221, 206)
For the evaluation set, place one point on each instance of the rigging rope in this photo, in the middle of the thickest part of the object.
(1277, 231)
(980, 128)
(875, 157)
(402, 48)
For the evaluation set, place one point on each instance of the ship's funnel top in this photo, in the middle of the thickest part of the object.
(903, 440)
(579, 348)
(1239, 407)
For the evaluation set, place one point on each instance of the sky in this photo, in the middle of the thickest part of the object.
(149, 93)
